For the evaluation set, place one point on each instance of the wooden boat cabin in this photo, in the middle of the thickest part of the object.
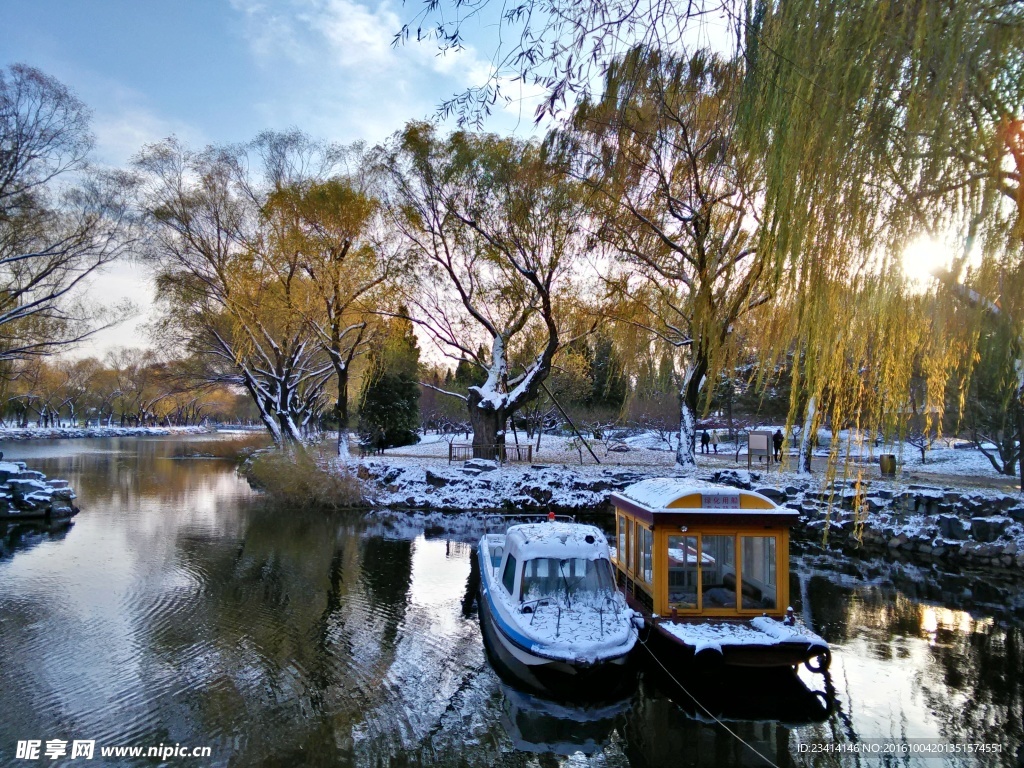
(709, 568)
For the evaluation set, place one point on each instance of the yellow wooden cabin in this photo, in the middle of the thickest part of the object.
(688, 551)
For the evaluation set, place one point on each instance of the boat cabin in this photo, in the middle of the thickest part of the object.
(537, 561)
(685, 550)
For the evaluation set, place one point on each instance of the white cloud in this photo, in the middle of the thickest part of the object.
(333, 69)
(123, 128)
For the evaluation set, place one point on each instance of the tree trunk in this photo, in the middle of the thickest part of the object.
(488, 428)
(806, 443)
(689, 398)
(341, 413)
(686, 451)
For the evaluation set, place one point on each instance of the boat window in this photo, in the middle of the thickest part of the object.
(508, 577)
(758, 572)
(718, 571)
(645, 539)
(574, 577)
(682, 572)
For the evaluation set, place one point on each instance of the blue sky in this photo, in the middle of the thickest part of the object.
(224, 70)
(217, 71)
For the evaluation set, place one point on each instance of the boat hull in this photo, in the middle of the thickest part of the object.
(670, 648)
(605, 679)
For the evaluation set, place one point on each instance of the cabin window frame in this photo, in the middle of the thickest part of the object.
(662, 586)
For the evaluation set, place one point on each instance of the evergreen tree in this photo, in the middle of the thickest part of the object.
(389, 415)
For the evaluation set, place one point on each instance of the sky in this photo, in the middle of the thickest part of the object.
(221, 71)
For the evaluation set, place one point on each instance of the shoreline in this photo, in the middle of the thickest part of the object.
(18, 434)
(926, 523)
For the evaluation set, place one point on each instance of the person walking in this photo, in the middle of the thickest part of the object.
(714, 439)
(704, 440)
(777, 444)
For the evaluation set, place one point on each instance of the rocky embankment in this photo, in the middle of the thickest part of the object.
(922, 522)
(26, 494)
(925, 523)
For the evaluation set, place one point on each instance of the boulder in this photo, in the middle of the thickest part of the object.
(435, 480)
(952, 527)
(988, 529)
(484, 465)
(774, 494)
(619, 448)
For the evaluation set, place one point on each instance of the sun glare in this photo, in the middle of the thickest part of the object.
(921, 257)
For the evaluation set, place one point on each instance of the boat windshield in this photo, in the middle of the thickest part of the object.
(574, 578)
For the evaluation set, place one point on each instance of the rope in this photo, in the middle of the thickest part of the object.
(708, 712)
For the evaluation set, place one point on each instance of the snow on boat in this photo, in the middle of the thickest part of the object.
(709, 570)
(549, 608)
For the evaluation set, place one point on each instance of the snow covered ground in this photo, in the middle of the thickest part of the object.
(643, 450)
(954, 509)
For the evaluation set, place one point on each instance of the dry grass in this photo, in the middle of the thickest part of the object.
(304, 477)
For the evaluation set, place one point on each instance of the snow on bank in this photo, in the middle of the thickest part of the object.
(482, 485)
(63, 433)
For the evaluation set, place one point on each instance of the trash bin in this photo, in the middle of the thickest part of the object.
(887, 463)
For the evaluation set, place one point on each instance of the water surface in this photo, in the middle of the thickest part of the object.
(179, 609)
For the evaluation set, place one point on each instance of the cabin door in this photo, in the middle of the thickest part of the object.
(701, 573)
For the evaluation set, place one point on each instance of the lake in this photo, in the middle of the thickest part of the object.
(180, 611)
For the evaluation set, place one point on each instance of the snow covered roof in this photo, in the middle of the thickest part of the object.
(561, 540)
(664, 493)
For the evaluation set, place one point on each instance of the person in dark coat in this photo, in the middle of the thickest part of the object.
(705, 438)
(777, 444)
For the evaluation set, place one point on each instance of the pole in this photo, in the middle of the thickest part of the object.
(559, 407)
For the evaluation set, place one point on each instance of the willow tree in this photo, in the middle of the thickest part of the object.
(876, 122)
(230, 286)
(901, 124)
(678, 199)
(496, 226)
(327, 225)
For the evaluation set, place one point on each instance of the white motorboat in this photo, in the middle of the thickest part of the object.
(550, 610)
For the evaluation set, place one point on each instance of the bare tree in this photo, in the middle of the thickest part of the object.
(60, 220)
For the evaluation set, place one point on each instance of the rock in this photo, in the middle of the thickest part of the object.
(952, 527)
(896, 542)
(435, 480)
(470, 472)
(484, 465)
(792, 490)
(874, 504)
(619, 448)
(774, 494)
(988, 529)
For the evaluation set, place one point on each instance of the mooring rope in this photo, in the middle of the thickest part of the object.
(729, 730)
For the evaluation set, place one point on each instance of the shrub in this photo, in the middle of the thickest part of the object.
(304, 477)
